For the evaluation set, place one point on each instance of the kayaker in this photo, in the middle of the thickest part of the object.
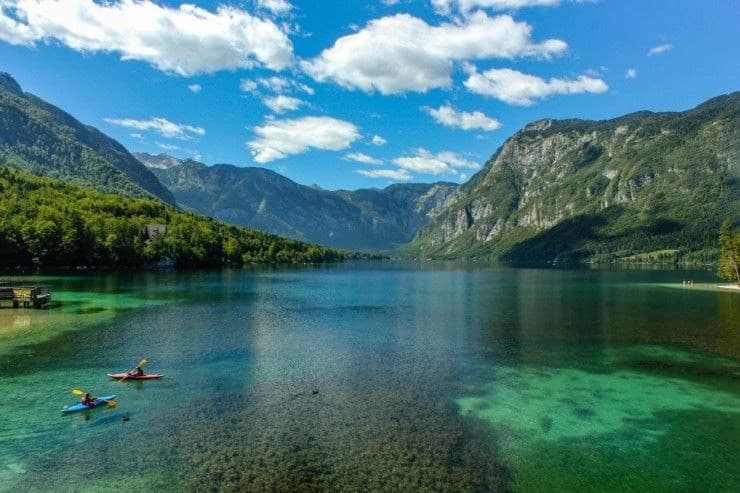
(137, 372)
(87, 400)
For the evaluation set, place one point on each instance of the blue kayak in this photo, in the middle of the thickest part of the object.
(82, 407)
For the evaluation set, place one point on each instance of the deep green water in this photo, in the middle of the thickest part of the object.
(377, 376)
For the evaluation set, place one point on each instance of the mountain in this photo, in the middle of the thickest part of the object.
(369, 219)
(50, 223)
(38, 137)
(646, 186)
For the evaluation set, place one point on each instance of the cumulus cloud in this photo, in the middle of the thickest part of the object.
(278, 7)
(441, 163)
(390, 174)
(450, 117)
(195, 88)
(659, 50)
(282, 103)
(362, 158)
(513, 87)
(631, 73)
(277, 139)
(186, 40)
(378, 140)
(160, 125)
(402, 53)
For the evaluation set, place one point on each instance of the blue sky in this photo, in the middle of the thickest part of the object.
(350, 94)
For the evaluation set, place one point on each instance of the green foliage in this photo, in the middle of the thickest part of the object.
(641, 188)
(729, 254)
(42, 139)
(47, 223)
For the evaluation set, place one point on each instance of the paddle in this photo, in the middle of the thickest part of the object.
(141, 363)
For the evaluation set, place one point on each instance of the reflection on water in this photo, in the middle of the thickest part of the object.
(376, 376)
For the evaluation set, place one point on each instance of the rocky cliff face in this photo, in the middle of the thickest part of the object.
(371, 219)
(575, 190)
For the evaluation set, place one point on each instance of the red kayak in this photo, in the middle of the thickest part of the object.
(128, 376)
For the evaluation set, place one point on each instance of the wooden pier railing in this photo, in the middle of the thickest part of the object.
(24, 296)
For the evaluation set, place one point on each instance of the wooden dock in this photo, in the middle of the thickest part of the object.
(24, 296)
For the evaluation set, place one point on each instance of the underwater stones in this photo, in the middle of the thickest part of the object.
(367, 433)
(584, 413)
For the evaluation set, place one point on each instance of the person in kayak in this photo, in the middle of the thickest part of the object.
(87, 400)
(137, 372)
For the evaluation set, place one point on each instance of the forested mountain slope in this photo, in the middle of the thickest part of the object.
(38, 137)
(49, 223)
(651, 186)
(371, 219)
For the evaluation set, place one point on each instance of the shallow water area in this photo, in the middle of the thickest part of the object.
(375, 375)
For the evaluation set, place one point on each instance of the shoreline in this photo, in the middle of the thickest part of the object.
(704, 286)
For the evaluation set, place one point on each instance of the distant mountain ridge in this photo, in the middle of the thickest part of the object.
(370, 219)
(40, 138)
(645, 186)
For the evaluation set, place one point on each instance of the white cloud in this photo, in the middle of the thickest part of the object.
(390, 2)
(277, 139)
(390, 174)
(447, 6)
(362, 158)
(450, 117)
(160, 125)
(278, 7)
(137, 135)
(513, 87)
(442, 163)
(631, 73)
(378, 140)
(659, 50)
(282, 103)
(402, 53)
(276, 84)
(186, 40)
(167, 147)
(195, 88)
(247, 85)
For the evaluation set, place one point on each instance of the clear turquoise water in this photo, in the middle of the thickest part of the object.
(376, 376)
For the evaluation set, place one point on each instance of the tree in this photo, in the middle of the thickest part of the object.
(729, 255)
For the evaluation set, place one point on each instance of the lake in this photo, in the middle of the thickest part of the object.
(376, 375)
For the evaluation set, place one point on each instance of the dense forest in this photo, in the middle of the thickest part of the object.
(47, 223)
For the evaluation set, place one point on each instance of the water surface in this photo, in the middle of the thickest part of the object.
(376, 376)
